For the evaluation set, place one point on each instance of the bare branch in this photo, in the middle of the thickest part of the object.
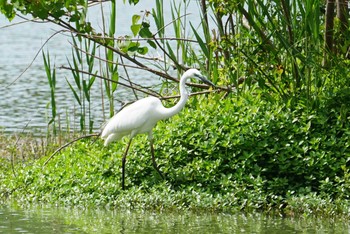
(69, 143)
(36, 55)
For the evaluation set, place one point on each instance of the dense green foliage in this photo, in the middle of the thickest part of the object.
(235, 153)
(277, 44)
(278, 138)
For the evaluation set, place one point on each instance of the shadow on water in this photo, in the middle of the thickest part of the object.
(37, 219)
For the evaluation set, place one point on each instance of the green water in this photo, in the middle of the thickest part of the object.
(14, 219)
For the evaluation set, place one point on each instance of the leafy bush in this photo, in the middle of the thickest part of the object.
(221, 154)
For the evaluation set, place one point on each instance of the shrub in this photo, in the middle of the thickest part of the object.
(221, 154)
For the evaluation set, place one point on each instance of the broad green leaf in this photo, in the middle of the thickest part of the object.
(145, 33)
(142, 50)
(135, 28)
(133, 46)
(145, 24)
(152, 43)
(135, 19)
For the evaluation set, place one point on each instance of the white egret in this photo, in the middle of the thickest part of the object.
(142, 115)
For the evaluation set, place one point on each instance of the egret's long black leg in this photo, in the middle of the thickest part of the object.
(154, 160)
(123, 164)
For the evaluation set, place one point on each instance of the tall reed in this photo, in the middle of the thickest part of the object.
(83, 82)
(51, 77)
(275, 45)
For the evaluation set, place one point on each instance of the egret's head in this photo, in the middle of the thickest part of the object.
(196, 74)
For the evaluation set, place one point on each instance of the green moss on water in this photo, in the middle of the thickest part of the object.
(217, 155)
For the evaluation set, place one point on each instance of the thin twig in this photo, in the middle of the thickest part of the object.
(191, 94)
(145, 68)
(168, 55)
(121, 38)
(170, 23)
(124, 55)
(69, 143)
(160, 46)
(107, 79)
(36, 55)
(128, 77)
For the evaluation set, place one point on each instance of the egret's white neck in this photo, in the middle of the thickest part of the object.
(168, 112)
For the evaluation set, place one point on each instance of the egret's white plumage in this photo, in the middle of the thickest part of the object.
(139, 117)
(142, 115)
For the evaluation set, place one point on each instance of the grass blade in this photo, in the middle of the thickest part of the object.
(201, 43)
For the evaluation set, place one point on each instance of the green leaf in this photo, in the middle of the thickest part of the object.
(142, 50)
(108, 92)
(115, 78)
(200, 42)
(171, 52)
(74, 92)
(145, 24)
(133, 46)
(91, 81)
(145, 33)
(58, 14)
(135, 19)
(135, 28)
(133, 2)
(152, 43)
(113, 19)
(86, 90)
(7, 10)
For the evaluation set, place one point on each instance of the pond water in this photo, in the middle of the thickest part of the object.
(24, 100)
(36, 219)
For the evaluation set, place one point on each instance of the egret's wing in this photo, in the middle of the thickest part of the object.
(131, 117)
